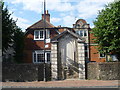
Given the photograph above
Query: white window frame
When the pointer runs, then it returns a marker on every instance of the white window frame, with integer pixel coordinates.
(41, 52)
(47, 34)
(37, 52)
(35, 36)
(43, 35)
(39, 35)
(46, 61)
(83, 33)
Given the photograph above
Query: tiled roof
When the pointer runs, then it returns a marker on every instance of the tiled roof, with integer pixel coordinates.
(40, 24)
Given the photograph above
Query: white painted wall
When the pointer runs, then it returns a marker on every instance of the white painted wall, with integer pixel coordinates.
(67, 49)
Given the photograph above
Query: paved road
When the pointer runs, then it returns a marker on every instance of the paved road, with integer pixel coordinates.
(64, 84)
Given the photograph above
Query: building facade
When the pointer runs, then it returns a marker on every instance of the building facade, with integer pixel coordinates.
(67, 50)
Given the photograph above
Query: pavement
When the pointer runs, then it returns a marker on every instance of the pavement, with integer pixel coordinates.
(64, 84)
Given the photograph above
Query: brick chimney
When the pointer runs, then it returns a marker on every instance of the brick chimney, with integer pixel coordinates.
(47, 16)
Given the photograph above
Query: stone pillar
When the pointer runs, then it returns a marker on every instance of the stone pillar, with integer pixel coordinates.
(81, 60)
(54, 67)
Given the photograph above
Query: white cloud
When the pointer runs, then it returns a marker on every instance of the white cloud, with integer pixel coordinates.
(54, 20)
(100, 1)
(20, 19)
(88, 8)
(59, 6)
(37, 5)
(65, 9)
(21, 22)
(21, 12)
(92, 26)
(33, 5)
(84, 7)
(89, 11)
(23, 25)
(68, 21)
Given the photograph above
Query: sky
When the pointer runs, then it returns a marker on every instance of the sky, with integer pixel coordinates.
(62, 12)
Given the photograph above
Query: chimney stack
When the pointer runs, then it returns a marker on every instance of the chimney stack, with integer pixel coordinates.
(47, 16)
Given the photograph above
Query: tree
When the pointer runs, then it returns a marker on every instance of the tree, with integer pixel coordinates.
(8, 27)
(18, 45)
(107, 31)
(12, 35)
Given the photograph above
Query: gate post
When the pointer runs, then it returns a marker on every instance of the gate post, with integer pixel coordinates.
(81, 60)
(54, 67)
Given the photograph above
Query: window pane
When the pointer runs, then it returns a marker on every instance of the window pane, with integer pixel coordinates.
(34, 57)
(81, 33)
(36, 34)
(77, 32)
(41, 34)
(48, 57)
(85, 33)
(40, 57)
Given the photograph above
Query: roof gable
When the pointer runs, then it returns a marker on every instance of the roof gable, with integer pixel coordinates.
(40, 24)
(55, 39)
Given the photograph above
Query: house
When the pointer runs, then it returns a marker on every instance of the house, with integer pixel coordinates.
(34, 39)
(66, 49)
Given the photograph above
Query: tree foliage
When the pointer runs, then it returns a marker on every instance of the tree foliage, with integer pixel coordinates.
(8, 27)
(18, 45)
(106, 30)
(12, 35)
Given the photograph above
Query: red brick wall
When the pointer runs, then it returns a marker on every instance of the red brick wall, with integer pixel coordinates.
(91, 38)
(31, 44)
(94, 54)
(47, 17)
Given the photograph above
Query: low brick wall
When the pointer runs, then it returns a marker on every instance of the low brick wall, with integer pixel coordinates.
(25, 72)
(103, 71)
